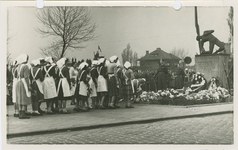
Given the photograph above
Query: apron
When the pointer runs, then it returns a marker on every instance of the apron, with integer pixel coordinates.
(83, 88)
(14, 83)
(23, 80)
(49, 87)
(73, 85)
(65, 86)
(102, 83)
(92, 86)
(38, 82)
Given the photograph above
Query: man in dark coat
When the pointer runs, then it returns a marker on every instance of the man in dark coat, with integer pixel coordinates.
(161, 76)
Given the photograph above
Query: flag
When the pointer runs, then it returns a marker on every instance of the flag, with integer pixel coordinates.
(99, 48)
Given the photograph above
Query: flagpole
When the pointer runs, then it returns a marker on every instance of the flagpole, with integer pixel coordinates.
(197, 28)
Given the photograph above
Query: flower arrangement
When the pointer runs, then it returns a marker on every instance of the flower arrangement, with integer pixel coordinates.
(171, 96)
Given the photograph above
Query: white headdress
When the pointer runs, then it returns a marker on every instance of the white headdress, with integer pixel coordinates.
(101, 60)
(49, 59)
(127, 64)
(60, 63)
(82, 65)
(113, 58)
(95, 62)
(22, 59)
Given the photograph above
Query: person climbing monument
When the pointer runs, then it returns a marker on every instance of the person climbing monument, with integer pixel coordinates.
(209, 37)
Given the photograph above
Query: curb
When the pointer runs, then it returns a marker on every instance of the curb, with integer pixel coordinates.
(212, 104)
(111, 124)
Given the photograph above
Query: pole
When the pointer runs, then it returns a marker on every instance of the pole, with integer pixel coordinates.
(227, 77)
(197, 28)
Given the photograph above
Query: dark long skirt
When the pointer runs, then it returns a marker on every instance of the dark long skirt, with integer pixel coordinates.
(61, 94)
(112, 86)
(162, 83)
(127, 91)
(179, 82)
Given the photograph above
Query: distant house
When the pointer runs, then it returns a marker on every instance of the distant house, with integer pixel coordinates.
(151, 61)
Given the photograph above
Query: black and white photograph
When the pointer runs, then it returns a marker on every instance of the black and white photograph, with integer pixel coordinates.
(119, 75)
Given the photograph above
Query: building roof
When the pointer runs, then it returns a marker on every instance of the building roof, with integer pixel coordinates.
(159, 54)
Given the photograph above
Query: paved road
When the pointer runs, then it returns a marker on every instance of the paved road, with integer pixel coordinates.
(216, 129)
(108, 116)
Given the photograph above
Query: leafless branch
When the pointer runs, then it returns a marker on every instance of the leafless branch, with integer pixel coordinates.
(72, 25)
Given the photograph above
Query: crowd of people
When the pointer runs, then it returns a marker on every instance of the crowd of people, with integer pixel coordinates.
(164, 77)
(43, 80)
(104, 82)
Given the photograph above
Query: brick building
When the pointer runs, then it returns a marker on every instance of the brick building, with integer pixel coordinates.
(151, 61)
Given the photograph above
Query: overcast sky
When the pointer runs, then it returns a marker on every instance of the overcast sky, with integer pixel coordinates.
(145, 28)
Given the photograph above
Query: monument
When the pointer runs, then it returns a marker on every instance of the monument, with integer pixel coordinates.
(213, 66)
(209, 63)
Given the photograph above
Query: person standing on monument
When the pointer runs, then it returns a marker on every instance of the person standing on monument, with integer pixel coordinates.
(161, 76)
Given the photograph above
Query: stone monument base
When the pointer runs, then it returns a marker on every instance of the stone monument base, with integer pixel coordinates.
(213, 66)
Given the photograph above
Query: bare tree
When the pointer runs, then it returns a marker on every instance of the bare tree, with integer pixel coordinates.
(9, 39)
(135, 58)
(71, 27)
(181, 53)
(128, 55)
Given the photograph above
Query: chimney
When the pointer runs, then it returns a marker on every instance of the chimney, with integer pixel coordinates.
(147, 52)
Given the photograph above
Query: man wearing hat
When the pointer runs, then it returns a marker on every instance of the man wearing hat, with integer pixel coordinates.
(209, 37)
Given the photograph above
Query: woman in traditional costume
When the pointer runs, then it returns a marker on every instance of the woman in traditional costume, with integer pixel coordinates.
(23, 88)
(162, 76)
(36, 78)
(73, 73)
(127, 89)
(179, 80)
(113, 82)
(49, 87)
(102, 88)
(93, 83)
(119, 86)
(84, 88)
(14, 74)
(63, 89)
(42, 64)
